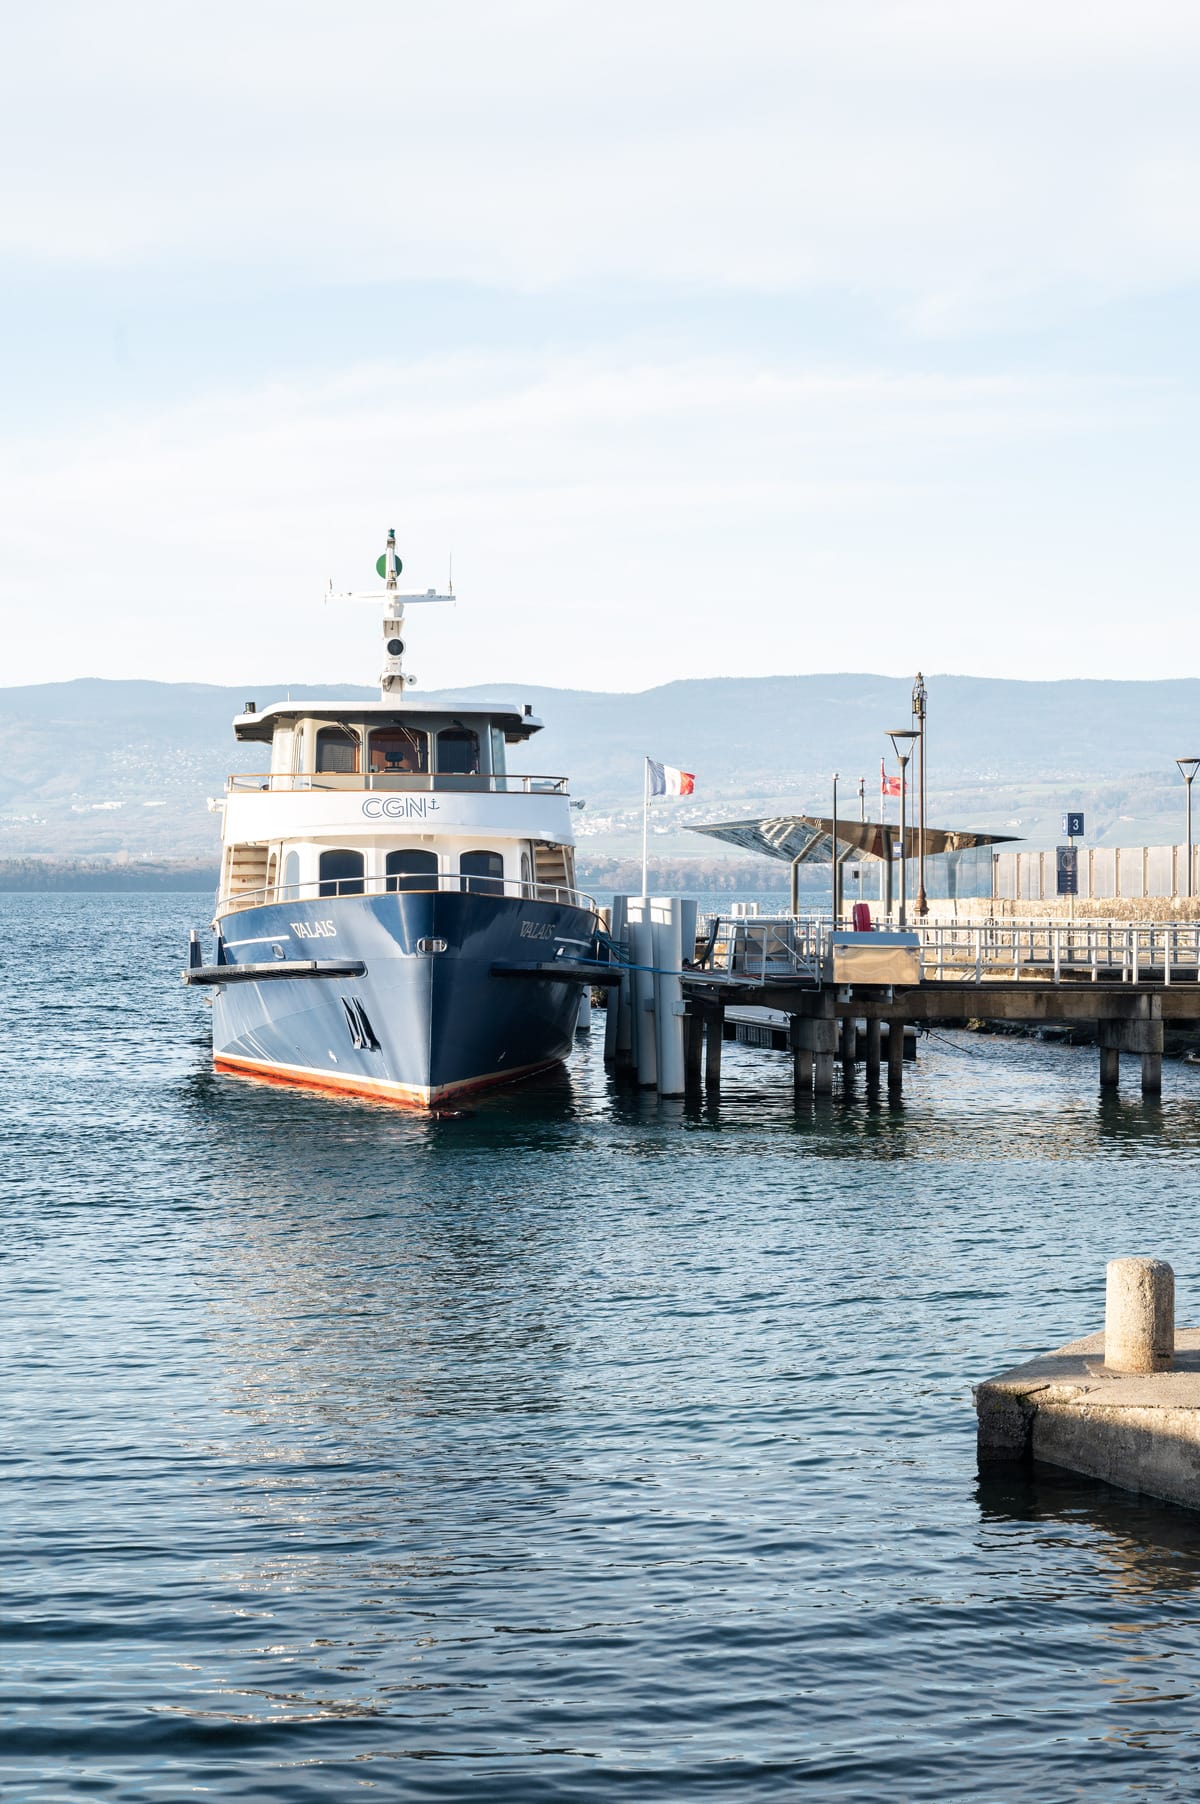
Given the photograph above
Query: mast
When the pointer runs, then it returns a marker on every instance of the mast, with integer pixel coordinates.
(393, 678)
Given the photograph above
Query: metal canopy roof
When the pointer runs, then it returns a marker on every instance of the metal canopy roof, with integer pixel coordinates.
(808, 838)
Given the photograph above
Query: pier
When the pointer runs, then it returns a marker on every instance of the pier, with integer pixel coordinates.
(1122, 1405)
(837, 998)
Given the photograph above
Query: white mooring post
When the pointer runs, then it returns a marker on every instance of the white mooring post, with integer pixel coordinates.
(641, 948)
(618, 996)
(666, 915)
(1139, 1315)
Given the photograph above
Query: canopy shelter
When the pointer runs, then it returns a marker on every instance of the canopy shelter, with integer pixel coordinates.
(808, 839)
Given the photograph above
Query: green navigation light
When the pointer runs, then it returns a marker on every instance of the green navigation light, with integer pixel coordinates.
(381, 565)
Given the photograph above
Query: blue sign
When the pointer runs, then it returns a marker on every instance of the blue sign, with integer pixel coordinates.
(1072, 826)
(1066, 860)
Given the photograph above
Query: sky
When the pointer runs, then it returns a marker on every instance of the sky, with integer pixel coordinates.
(701, 340)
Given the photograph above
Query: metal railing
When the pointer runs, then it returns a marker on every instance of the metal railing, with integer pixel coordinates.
(415, 782)
(762, 948)
(1160, 952)
(328, 889)
(758, 948)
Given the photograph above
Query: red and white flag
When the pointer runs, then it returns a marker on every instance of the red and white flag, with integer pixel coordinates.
(665, 780)
(888, 786)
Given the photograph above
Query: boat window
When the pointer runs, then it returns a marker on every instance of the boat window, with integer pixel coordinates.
(411, 869)
(498, 752)
(526, 870)
(341, 874)
(483, 873)
(399, 749)
(337, 750)
(291, 877)
(458, 751)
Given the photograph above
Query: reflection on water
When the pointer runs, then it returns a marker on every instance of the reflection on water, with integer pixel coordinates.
(570, 1444)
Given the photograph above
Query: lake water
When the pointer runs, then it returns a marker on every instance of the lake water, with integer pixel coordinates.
(573, 1447)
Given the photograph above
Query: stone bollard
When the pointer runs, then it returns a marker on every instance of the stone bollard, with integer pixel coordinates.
(1139, 1315)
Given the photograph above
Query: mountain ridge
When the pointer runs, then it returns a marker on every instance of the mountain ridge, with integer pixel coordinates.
(101, 765)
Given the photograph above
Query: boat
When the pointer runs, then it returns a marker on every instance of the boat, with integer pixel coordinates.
(397, 916)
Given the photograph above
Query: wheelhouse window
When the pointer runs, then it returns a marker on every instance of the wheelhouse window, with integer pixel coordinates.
(399, 749)
(411, 869)
(458, 752)
(498, 752)
(337, 750)
(341, 873)
(482, 873)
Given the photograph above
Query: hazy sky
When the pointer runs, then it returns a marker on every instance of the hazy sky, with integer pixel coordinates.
(708, 339)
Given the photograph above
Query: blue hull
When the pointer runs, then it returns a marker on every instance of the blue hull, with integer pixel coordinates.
(427, 1019)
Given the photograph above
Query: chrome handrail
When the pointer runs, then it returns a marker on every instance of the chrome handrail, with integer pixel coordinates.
(393, 781)
(329, 889)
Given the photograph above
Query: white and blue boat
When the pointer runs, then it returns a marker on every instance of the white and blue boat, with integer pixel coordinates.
(397, 915)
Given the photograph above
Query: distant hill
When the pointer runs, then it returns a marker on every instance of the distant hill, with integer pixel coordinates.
(95, 768)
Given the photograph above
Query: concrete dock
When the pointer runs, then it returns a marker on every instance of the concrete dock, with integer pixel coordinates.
(1088, 1408)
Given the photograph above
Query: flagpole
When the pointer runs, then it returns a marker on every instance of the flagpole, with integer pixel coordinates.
(645, 815)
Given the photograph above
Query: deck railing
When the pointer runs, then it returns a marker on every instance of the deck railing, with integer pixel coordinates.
(762, 948)
(414, 782)
(328, 889)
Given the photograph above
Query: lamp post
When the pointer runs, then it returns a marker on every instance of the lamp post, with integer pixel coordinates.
(902, 742)
(833, 851)
(1187, 770)
(918, 711)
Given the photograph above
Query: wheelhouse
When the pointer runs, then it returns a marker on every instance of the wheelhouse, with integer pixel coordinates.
(363, 798)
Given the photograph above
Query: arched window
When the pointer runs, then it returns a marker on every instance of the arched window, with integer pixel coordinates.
(337, 750)
(526, 872)
(482, 872)
(291, 877)
(458, 752)
(341, 874)
(411, 869)
(399, 749)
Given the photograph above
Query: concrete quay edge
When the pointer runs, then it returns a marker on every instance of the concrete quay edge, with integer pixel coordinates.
(1140, 1432)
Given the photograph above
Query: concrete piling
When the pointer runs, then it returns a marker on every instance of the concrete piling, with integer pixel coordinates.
(895, 1055)
(874, 1039)
(714, 1034)
(1139, 1315)
(693, 1045)
(802, 1053)
(1140, 1033)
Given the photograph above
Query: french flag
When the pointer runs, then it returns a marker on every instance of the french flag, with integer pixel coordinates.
(665, 780)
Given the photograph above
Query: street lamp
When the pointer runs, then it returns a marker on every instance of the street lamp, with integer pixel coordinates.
(918, 711)
(902, 742)
(1187, 770)
(833, 849)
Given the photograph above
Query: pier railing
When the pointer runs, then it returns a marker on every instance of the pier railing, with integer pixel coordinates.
(765, 948)
(1160, 952)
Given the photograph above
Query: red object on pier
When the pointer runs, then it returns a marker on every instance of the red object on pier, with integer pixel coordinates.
(860, 915)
